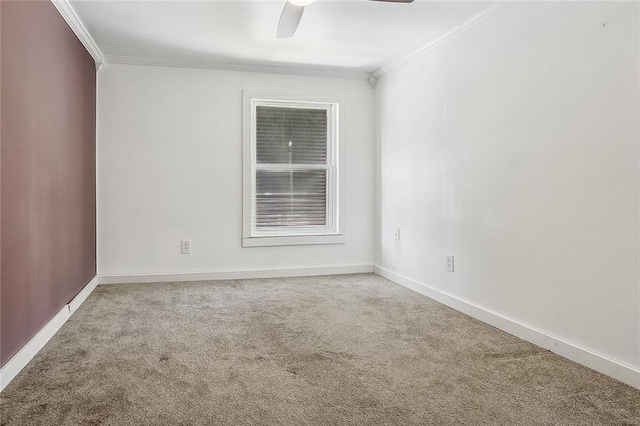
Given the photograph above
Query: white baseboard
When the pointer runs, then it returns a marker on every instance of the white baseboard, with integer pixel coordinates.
(11, 369)
(234, 275)
(82, 296)
(600, 363)
(597, 362)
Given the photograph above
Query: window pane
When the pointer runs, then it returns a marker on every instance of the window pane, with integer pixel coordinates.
(291, 135)
(295, 198)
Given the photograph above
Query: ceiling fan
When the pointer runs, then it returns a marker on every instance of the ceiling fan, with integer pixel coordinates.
(292, 13)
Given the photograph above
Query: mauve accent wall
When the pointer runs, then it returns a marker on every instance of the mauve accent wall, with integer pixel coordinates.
(47, 160)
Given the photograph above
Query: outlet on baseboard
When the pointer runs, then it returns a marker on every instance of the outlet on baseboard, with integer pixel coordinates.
(449, 262)
(185, 246)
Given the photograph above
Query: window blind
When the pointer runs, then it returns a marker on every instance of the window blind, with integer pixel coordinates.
(291, 167)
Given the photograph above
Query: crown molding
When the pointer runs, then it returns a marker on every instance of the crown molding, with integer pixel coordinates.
(485, 14)
(308, 71)
(71, 17)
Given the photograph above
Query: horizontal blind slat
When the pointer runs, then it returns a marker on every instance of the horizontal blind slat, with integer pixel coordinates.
(291, 135)
(294, 198)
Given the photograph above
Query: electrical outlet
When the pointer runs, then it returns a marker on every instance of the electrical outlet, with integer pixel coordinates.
(185, 246)
(397, 233)
(449, 260)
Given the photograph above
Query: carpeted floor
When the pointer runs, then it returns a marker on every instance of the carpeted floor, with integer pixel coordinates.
(339, 350)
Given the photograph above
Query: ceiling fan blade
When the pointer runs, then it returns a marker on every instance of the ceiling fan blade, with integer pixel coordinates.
(289, 20)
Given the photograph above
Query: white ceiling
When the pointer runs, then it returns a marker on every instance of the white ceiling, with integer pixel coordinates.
(346, 36)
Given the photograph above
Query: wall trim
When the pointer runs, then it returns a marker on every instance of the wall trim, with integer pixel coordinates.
(485, 14)
(11, 369)
(326, 72)
(73, 20)
(83, 295)
(234, 275)
(597, 362)
(583, 356)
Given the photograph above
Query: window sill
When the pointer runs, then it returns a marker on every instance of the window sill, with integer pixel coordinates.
(297, 240)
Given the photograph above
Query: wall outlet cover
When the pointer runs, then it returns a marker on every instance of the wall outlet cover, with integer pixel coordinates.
(449, 262)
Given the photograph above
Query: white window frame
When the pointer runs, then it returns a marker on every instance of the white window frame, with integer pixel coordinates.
(332, 233)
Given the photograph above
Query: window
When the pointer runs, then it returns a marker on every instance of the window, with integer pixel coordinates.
(290, 172)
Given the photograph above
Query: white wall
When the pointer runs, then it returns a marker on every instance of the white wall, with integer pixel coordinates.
(514, 146)
(170, 168)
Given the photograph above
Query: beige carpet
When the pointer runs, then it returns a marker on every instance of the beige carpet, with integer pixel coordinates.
(340, 350)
